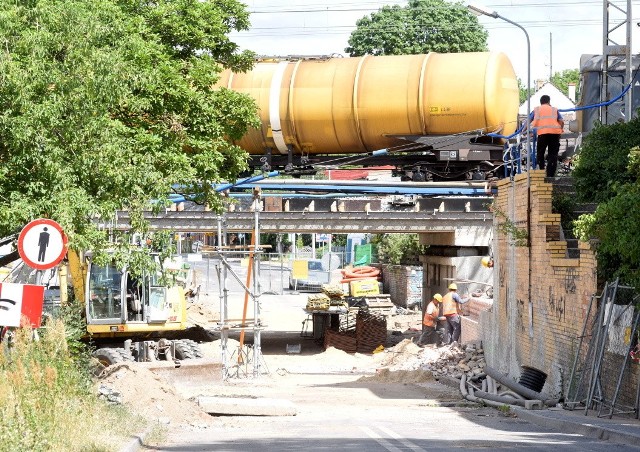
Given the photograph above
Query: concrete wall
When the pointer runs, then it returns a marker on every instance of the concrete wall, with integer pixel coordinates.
(540, 296)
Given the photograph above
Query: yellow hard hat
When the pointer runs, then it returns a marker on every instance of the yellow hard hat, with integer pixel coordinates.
(453, 286)
(437, 297)
(487, 262)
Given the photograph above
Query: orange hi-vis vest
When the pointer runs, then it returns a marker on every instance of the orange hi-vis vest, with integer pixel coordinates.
(449, 305)
(545, 119)
(431, 314)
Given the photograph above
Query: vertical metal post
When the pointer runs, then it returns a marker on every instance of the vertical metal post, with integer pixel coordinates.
(598, 327)
(602, 342)
(575, 361)
(257, 349)
(224, 332)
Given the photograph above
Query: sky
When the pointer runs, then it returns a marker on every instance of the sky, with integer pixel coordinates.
(559, 30)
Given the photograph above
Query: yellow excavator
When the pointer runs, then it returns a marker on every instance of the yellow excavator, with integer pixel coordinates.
(128, 316)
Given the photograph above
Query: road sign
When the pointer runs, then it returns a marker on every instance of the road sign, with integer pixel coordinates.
(21, 304)
(42, 244)
(323, 237)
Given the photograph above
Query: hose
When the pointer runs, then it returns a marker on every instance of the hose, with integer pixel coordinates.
(491, 385)
(501, 399)
(511, 394)
(473, 398)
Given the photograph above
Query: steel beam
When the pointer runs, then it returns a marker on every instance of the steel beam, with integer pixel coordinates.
(306, 222)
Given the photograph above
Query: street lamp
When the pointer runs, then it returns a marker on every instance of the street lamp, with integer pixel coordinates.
(480, 11)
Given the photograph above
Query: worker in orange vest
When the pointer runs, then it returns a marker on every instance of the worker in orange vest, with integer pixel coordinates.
(430, 333)
(451, 310)
(549, 124)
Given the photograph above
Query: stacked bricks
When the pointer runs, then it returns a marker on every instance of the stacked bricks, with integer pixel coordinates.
(403, 283)
(371, 331)
(369, 334)
(342, 340)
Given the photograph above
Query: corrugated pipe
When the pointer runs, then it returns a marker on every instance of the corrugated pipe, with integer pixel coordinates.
(514, 386)
(473, 398)
(498, 398)
(517, 387)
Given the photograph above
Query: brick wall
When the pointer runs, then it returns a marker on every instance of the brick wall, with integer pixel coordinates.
(540, 295)
(471, 327)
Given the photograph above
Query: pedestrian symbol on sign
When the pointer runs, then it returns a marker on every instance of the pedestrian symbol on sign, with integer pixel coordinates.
(43, 243)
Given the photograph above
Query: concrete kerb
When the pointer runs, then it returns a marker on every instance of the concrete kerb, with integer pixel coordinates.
(136, 441)
(616, 431)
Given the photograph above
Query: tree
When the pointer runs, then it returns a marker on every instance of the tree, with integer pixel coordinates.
(561, 80)
(608, 173)
(398, 249)
(106, 104)
(420, 27)
(524, 93)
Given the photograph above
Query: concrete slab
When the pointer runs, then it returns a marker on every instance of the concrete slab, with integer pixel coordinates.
(239, 406)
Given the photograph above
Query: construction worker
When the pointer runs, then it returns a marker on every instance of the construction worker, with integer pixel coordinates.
(430, 333)
(549, 123)
(452, 311)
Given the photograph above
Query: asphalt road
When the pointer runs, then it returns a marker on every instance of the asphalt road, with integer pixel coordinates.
(335, 427)
(337, 411)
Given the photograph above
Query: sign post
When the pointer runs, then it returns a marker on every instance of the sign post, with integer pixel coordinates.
(42, 244)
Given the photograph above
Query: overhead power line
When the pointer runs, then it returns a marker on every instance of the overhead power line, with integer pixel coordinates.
(355, 7)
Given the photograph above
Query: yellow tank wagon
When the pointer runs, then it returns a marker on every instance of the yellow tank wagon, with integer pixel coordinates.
(326, 106)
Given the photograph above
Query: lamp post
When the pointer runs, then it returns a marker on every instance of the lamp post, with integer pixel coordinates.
(480, 11)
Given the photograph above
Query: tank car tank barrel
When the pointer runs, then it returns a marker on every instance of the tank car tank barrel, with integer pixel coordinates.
(358, 105)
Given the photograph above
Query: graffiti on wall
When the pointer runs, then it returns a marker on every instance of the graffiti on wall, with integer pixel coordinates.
(521, 313)
(570, 277)
(557, 305)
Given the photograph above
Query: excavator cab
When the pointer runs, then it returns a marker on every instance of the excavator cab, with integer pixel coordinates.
(118, 302)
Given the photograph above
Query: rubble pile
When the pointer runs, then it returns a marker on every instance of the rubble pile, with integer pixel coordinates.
(457, 361)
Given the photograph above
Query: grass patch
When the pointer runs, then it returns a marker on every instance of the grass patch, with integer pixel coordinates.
(47, 400)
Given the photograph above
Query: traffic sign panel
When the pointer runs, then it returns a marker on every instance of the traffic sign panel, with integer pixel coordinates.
(42, 244)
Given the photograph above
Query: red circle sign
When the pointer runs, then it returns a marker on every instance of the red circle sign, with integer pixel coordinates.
(42, 244)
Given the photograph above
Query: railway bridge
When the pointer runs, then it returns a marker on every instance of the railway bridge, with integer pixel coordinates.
(453, 219)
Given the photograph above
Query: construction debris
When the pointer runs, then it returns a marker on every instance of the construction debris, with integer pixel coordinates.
(456, 361)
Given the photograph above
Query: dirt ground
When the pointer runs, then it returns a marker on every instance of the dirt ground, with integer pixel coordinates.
(169, 396)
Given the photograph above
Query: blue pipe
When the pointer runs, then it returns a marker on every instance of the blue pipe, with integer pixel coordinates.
(372, 190)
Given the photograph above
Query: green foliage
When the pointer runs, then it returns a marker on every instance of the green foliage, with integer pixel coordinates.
(565, 205)
(420, 27)
(46, 398)
(602, 165)
(608, 172)
(562, 79)
(273, 240)
(517, 235)
(107, 103)
(396, 249)
(524, 94)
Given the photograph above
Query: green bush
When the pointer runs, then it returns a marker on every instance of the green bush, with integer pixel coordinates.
(608, 173)
(396, 249)
(46, 399)
(602, 163)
